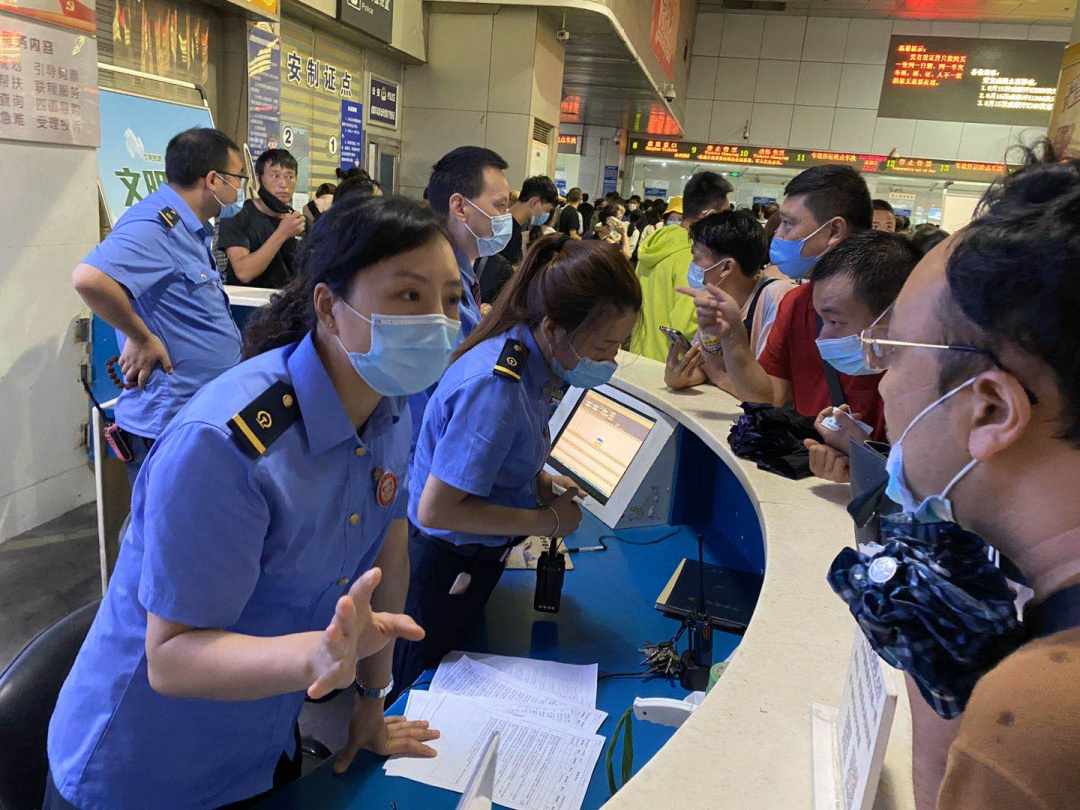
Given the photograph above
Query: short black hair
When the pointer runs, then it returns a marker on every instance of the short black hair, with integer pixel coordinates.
(878, 262)
(834, 191)
(194, 153)
(539, 186)
(574, 195)
(882, 205)
(1013, 279)
(584, 196)
(702, 191)
(635, 198)
(460, 171)
(737, 234)
(275, 157)
(927, 237)
(325, 188)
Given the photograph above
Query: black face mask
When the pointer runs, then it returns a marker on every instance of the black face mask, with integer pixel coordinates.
(272, 202)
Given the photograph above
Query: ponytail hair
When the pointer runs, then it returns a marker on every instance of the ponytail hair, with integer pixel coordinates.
(353, 234)
(566, 280)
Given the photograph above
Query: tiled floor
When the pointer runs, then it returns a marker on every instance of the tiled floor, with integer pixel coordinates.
(45, 574)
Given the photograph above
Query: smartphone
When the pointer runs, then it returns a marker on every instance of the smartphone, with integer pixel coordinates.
(675, 336)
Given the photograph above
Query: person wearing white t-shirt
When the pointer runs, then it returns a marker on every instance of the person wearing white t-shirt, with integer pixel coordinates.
(728, 251)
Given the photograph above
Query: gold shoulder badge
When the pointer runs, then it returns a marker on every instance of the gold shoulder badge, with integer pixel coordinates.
(169, 217)
(511, 362)
(269, 415)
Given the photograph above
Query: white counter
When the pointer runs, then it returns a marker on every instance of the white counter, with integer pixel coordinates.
(749, 745)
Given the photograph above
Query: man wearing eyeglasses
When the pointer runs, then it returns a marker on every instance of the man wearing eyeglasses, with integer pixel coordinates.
(982, 401)
(261, 240)
(153, 279)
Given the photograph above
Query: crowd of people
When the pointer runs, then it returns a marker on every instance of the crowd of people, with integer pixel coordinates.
(364, 456)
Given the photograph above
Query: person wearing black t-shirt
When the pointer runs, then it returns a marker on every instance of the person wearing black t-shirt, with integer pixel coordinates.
(586, 209)
(260, 241)
(533, 207)
(570, 223)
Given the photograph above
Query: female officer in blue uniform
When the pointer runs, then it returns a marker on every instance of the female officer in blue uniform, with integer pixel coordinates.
(258, 527)
(476, 483)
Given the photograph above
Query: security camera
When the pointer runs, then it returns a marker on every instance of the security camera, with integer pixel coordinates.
(563, 35)
(669, 91)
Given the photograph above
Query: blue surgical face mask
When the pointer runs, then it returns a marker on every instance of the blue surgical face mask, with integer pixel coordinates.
(786, 254)
(539, 219)
(588, 373)
(933, 508)
(408, 352)
(845, 355)
(696, 274)
(502, 228)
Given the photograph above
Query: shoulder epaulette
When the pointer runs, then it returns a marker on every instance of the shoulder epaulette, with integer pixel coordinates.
(269, 415)
(169, 217)
(511, 362)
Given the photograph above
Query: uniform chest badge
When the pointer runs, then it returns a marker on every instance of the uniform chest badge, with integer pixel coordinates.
(385, 487)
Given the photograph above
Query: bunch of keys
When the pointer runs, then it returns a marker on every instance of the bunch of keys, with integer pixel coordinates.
(661, 658)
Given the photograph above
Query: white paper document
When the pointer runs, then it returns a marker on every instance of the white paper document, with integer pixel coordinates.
(508, 695)
(574, 683)
(538, 767)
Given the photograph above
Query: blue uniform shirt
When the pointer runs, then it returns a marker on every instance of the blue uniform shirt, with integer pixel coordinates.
(485, 434)
(218, 539)
(469, 315)
(177, 291)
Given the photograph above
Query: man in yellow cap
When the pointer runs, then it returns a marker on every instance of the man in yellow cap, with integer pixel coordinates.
(663, 260)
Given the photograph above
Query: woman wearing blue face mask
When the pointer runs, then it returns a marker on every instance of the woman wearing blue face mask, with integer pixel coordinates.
(477, 484)
(260, 523)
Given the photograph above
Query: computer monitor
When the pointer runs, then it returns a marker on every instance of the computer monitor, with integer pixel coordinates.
(611, 443)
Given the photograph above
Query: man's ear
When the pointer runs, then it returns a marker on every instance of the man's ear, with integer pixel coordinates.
(838, 230)
(456, 206)
(1000, 413)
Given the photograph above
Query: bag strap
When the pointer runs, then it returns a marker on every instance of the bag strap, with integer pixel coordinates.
(748, 322)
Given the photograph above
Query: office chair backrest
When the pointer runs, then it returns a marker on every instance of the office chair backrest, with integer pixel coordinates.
(29, 687)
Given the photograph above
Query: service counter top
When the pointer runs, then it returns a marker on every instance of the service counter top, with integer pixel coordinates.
(749, 744)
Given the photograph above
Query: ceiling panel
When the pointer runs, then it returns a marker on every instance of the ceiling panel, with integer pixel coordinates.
(1035, 11)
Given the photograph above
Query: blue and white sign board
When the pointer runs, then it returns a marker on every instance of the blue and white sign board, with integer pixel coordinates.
(611, 179)
(134, 133)
(351, 146)
(383, 97)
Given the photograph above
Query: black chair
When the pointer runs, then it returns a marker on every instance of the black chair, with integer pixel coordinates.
(29, 687)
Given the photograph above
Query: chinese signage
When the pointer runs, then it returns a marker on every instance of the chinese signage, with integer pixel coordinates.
(664, 33)
(569, 144)
(987, 81)
(374, 17)
(264, 87)
(309, 72)
(48, 84)
(611, 179)
(75, 14)
(352, 134)
(777, 157)
(134, 133)
(382, 102)
(1065, 124)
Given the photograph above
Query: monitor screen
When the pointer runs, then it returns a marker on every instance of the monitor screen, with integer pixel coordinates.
(598, 443)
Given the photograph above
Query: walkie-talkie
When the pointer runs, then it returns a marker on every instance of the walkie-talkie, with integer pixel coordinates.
(550, 571)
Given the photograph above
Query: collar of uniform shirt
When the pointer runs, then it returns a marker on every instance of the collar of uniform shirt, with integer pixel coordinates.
(537, 372)
(187, 216)
(465, 266)
(324, 418)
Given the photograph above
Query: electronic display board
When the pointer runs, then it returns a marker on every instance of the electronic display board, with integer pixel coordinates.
(982, 81)
(782, 158)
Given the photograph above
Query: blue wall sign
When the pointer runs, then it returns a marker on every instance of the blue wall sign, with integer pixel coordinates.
(264, 87)
(383, 102)
(611, 179)
(352, 134)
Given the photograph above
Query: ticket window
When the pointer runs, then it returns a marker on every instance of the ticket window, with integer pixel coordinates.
(382, 164)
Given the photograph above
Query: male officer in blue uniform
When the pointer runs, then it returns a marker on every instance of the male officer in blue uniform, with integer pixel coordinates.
(468, 187)
(153, 279)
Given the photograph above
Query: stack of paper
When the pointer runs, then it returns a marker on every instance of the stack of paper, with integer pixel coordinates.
(545, 717)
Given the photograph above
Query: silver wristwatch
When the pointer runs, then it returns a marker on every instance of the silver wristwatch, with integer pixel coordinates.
(372, 694)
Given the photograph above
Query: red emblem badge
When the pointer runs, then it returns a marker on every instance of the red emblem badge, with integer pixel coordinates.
(386, 489)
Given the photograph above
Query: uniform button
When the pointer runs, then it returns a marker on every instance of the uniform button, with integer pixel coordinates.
(354, 519)
(343, 581)
(203, 276)
(360, 451)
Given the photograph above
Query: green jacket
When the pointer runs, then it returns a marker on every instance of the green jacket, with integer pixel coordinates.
(663, 261)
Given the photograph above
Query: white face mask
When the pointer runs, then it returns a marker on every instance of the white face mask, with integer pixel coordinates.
(933, 508)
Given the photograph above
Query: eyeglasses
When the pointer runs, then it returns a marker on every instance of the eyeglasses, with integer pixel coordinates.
(878, 349)
(240, 177)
